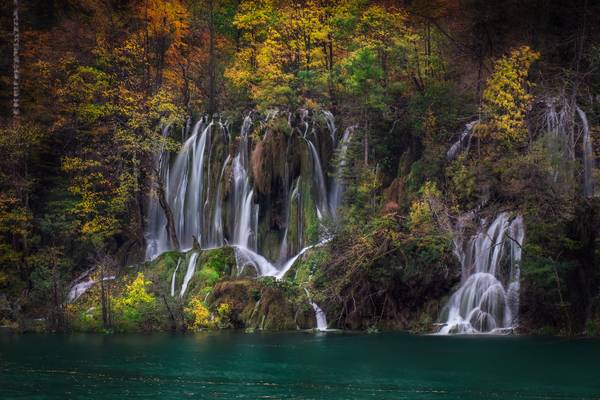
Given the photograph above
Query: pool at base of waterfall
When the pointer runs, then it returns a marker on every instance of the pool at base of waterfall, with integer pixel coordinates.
(323, 366)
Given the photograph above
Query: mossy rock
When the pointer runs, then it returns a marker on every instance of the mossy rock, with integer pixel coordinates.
(211, 266)
(240, 294)
(248, 272)
(275, 312)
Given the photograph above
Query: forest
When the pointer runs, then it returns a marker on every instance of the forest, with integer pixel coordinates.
(185, 165)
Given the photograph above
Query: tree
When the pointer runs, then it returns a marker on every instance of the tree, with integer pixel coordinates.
(363, 77)
(506, 98)
(16, 62)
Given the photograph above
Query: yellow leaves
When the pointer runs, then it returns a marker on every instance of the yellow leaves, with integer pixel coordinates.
(224, 309)
(283, 50)
(136, 306)
(15, 219)
(198, 315)
(101, 201)
(136, 292)
(506, 98)
(382, 27)
(423, 209)
(253, 16)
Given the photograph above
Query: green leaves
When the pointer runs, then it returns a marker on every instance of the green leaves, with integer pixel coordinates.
(363, 76)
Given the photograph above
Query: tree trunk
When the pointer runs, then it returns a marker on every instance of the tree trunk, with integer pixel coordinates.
(16, 63)
(366, 138)
(104, 300)
(212, 90)
(169, 215)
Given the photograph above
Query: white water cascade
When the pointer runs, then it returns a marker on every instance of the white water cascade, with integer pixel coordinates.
(174, 276)
(191, 268)
(463, 143)
(320, 316)
(209, 192)
(78, 289)
(565, 122)
(322, 207)
(588, 155)
(337, 188)
(488, 298)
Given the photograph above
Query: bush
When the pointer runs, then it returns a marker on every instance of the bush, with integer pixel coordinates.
(136, 309)
(197, 315)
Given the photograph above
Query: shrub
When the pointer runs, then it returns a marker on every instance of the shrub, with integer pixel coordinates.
(136, 309)
(197, 315)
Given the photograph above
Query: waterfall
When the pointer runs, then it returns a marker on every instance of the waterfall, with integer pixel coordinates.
(183, 183)
(214, 202)
(323, 208)
(156, 242)
(174, 276)
(337, 188)
(560, 125)
(289, 263)
(319, 314)
(216, 235)
(244, 257)
(243, 195)
(463, 142)
(80, 288)
(293, 196)
(487, 300)
(588, 155)
(330, 120)
(191, 268)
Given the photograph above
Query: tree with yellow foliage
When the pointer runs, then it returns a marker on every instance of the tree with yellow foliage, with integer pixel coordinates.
(507, 97)
(136, 308)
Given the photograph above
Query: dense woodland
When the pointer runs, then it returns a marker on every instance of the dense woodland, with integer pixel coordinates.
(86, 87)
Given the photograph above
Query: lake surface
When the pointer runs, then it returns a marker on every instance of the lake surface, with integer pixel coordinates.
(297, 366)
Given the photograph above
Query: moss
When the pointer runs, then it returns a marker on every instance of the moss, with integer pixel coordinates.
(304, 269)
(240, 294)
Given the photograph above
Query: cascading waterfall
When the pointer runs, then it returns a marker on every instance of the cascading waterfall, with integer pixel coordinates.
(337, 188)
(463, 142)
(559, 123)
(191, 268)
(80, 288)
(320, 316)
(330, 120)
(183, 188)
(588, 155)
(293, 196)
(488, 298)
(323, 207)
(224, 211)
(216, 234)
(157, 218)
(243, 197)
(174, 277)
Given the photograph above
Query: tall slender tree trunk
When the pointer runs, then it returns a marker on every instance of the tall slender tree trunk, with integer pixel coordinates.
(212, 90)
(16, 63)
(366, 137)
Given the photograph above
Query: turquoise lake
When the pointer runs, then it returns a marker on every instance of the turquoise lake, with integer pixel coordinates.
(297, 366)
